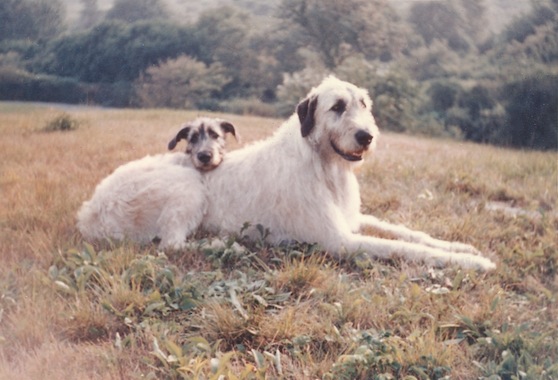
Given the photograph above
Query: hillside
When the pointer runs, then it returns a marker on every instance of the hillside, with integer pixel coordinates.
(71, 310)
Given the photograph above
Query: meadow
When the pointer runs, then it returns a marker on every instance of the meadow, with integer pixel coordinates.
(71, 309)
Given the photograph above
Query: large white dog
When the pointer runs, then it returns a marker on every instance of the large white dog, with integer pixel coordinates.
(158, 197)
(300, 184)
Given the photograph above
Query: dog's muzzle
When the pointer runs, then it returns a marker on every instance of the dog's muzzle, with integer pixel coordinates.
(363, 138)
(205, 157)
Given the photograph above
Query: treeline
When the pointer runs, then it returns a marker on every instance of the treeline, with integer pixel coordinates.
(435, 70)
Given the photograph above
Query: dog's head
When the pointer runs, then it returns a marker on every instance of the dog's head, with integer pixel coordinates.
(206, 141)
(336, 118)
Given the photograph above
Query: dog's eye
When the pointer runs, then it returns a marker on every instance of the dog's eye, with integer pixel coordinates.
(339, 107)
(194, 139)
(362, 103)
(214, 135)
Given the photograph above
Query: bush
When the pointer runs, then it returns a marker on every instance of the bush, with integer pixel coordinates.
(294, 88)
(17, 84)
(181, 83)
(249, 106)
(61, 123)
(118, 94)
(113, 51)
(443, 95)
(531, 107)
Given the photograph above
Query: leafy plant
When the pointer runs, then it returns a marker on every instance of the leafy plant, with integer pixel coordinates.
(61, 123)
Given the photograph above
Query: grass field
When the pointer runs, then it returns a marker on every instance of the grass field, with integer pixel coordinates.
(71, 310)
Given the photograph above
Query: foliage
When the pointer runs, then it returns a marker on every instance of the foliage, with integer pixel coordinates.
(295, 87)
(18, 84)
(223, 36)
(442, 21)
(248, 106)
(61, 123)
(113, 51)
(181, 83)
(90, 14)
(531, 109)
(31, 19)
(523, 27)
(137, 10)
(337, 29)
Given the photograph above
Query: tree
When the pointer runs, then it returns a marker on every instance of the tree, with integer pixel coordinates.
(475, 21)
(136, 10)
(48, 17)
(180, 83)
(531, 108)
(223, 35)
(439, 20)
(28, 19)
(114, 51)
(525, 26)
(90, 14)
(337, 29)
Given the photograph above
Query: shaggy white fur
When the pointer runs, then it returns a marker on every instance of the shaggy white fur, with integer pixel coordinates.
(300, 184)
(161, 196)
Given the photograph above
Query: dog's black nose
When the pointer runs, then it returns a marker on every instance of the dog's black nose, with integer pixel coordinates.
(363, 138)
(205, 157)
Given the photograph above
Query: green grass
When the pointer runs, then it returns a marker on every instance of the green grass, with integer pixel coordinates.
(70, 309)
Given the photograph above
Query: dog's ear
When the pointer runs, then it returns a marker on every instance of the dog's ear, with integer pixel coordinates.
(181, 135)
(306, 110)
(228, 128)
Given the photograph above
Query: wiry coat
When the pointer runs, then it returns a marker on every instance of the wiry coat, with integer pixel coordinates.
(300, 184)
(161, 196)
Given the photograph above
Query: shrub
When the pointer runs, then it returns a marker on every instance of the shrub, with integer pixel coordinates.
(17, 84)
(249, 106)
(61, 123)
(443, 95)
(180, 83)
(531, 108)
(295, 86)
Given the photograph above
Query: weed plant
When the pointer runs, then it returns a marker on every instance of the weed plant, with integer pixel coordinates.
(61, 123)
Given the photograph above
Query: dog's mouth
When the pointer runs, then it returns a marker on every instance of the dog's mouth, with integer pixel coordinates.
(206, 167)
(347, 156)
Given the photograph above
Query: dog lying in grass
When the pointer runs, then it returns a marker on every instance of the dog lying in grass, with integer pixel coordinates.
(159, 197)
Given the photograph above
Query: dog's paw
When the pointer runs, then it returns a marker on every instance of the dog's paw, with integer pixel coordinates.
(479, 263)
(463, 248)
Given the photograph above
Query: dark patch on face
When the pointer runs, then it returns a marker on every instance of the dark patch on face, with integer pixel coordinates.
(194, 138)
(212, 134)
(339, 107)
(202, 132)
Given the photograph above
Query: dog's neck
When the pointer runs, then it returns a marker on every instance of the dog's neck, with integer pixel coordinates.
(336, 172)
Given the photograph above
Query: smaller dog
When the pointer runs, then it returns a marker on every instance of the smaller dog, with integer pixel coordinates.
(161, 196)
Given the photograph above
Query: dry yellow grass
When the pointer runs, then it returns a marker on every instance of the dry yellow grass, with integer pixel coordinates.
(502, 201)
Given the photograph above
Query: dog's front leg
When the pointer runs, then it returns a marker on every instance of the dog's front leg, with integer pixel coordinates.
(385, 248)
(404, 233)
